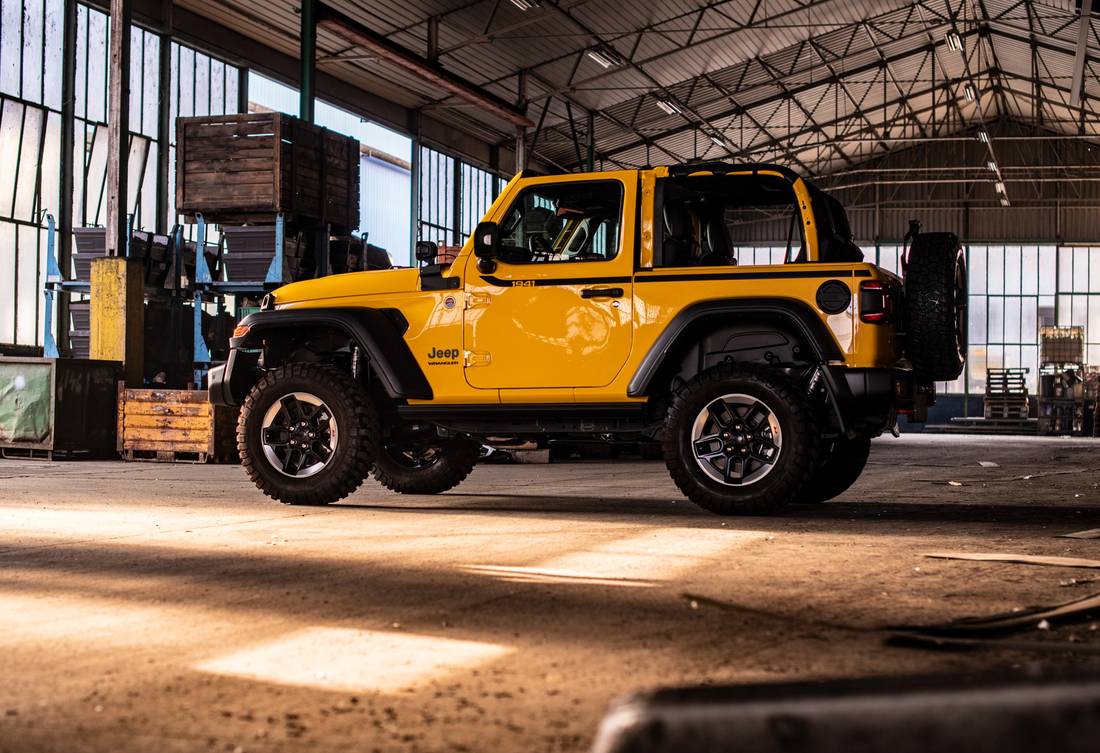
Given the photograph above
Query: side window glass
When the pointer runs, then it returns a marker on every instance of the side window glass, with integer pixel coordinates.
(705, 220)
(563, 222)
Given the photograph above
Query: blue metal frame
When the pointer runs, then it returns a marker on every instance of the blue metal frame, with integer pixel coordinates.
(201, 353)
(206, 289)
(53, 276)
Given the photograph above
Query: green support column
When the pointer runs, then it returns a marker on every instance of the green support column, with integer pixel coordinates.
(307, 60)
(68, 136)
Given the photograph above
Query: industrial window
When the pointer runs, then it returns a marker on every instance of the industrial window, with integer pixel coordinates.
(563, 222)
(31, 69)
(438, 220)
(1010, 296)
(453, 197)
(477, 191)
(1078, 301)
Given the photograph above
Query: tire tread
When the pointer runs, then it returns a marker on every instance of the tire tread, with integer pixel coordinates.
(800, 440)
(362, 437)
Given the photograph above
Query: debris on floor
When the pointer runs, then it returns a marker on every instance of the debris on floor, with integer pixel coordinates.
(988, 464)
(1031, 617)
(1021, 559)
(954, 483)
(1076, 582)
(1092, 533)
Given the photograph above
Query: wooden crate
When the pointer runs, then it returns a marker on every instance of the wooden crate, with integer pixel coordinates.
(1061, 345)
(245, 169)
(174, 426)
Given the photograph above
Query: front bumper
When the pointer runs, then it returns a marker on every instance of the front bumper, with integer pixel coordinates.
(228, 385)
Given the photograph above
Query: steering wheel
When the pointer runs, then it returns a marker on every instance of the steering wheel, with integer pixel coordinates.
(544, 250)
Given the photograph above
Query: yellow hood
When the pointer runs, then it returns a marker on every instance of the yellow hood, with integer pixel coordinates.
(354, 284)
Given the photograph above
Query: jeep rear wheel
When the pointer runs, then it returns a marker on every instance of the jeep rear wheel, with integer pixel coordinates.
(740, 440)
(426, 466)
(936, 307)
(307, 434)
(842, 465)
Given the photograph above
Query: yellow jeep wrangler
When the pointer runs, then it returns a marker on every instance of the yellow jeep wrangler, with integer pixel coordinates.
(613, 307)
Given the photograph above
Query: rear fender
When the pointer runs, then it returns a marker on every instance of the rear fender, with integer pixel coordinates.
(747, 331)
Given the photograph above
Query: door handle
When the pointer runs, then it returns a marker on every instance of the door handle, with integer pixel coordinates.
(602, 293)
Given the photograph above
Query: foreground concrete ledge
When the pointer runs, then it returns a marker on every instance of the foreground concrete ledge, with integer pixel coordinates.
(1004, 713)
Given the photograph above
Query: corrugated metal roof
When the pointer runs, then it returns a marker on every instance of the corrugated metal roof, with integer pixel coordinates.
(779, 79)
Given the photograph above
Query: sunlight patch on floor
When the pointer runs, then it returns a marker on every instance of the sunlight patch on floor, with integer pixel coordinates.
(344, 659)
(27, 618)
(91, 524)
(647, 559)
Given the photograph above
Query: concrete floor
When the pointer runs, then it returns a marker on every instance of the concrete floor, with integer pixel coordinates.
(172, 607)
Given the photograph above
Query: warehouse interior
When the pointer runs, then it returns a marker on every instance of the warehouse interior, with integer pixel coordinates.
(152, 596)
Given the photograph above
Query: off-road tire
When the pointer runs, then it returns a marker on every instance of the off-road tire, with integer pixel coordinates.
(356, 419)
(842, 463)
(793, 467)
(936, 307)
(459, 456)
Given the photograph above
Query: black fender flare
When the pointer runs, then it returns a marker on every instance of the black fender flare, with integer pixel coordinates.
(795, 315)
(377, 332)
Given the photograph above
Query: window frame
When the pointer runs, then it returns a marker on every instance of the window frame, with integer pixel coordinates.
(799, 241)
(523, 192)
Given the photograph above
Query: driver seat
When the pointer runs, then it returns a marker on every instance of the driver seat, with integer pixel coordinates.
(678, 242)
(717, 246)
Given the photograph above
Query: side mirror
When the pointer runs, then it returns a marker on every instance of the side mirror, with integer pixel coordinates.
(487, 240)
(426, 251)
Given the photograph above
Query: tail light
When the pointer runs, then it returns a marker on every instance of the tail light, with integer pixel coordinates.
(876, 302)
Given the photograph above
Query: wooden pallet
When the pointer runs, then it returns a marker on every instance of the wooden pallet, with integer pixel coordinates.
(165, 456)
(174, 426)
(1006, 410)
(1006, 382)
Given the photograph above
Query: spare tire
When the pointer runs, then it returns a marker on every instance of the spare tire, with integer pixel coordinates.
(936, 307)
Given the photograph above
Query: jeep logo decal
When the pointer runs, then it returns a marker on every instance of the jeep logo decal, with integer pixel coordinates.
(443, 356)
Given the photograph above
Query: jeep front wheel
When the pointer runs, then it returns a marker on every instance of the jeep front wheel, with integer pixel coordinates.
(740, 440)
(307, 434)
(426, 466)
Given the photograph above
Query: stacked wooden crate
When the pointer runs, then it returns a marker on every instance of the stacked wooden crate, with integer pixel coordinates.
(246, 169)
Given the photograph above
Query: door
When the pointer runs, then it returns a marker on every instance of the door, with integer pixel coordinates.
(556, 310)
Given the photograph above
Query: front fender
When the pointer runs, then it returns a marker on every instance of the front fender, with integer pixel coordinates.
(377, 332)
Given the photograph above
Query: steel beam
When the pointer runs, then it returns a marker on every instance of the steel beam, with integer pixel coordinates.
(353, 32)
(118, 127)
(307, 60)
(1082, 51)
(68, 131)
